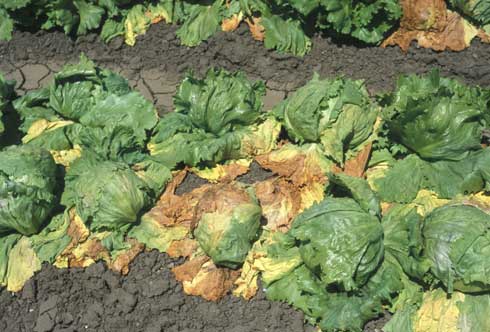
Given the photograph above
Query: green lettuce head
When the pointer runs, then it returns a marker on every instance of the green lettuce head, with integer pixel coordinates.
(228, 219)
(107, 195)
(337, 113)
(457, 243)
(217, 118)
(27, 189)
(340, 242)
(438, 118)
(90, 108)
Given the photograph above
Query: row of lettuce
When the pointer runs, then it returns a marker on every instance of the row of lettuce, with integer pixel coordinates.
(283, 25)
(377, 203)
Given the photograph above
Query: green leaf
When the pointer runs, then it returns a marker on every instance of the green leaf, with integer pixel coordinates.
(285, 35)
(201, 24)
(6, 25)
(111, 29)
(90, 16)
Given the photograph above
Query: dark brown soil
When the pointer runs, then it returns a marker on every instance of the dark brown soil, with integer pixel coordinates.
(149, 299)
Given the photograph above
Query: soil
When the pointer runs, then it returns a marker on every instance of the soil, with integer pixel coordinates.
(149, 298)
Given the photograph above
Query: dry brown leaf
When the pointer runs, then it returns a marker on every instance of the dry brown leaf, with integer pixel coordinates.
(432, 25)
(200, 277)
(188, 270)
(232, 23)
(357, 165)
(182, 248)
(171, 209)
(122, 261)
(219, 197)
(257, 29)
(280, 201)
(297, 169)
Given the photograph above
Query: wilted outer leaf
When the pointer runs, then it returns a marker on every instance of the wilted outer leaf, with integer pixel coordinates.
(23, 263)
(301, 182)
(182, 248)
(232, 23)
(272, 263)
(140, 18)
(223, 172)
(280, 201)
(433, 26)
(301, 165)
(86, 248)
(66, 157)
(171, 219)
(256, 28)
(357, 165)
(200, 277)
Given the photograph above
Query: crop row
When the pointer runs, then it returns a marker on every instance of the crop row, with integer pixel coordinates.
(375, 203)
(283, 25)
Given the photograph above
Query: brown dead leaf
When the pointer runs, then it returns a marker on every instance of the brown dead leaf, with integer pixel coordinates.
(257, 29)
(182, 248)
(122, 261)
(220, 197)
(232, 23)
(357, 165)
(280, 201)
(171, 209)
(188, 270)
(200, 277)
(298, 169)
(432, 25)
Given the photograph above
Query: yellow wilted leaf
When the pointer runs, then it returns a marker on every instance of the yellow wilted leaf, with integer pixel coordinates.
(66, 157)
(426, 201)
(438, 313)
(223, 173)
(23, 263)
(41, 126)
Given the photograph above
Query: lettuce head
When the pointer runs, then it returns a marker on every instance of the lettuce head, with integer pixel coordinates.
(228, 219)
(107, 195)
(217, 118)
(340, 242)
(457, 244)
(437, 118)
(336, 113)
(91, 108)
(28, 183)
